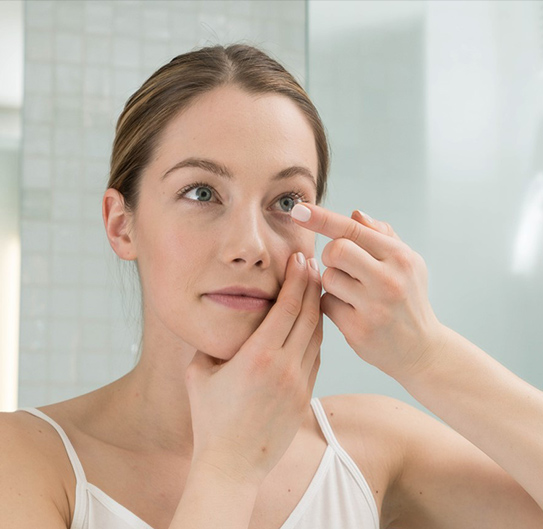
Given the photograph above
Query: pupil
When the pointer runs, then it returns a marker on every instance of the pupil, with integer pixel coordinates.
(199, 193)
(289, 199)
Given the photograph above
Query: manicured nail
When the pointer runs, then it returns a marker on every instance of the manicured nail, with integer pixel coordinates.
(314, 264)
(300, 213)
(300, 258)
(367, 217)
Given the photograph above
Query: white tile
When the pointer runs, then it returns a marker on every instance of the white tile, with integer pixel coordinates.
(65, 336)
(155, 23)
(93, 368)
(68, 47)
(38, 77)
(93, 272)
(68, 110)
(36, 172)
(36, 204)
(35, 301)
(97, 111)
(94, 236)
(97, 49)
(66, 205)
(68, 79)
(32, 394)
(127, 21)
(39, 45)
(34, 334)
(67, 173)
(97, 81)
(35, 236)
(34, 269)
(96, 177)
(239, 8)
(64, 302)
(38, 108)
(33, 367)
(126, 82)
(37, 139)
(97, 143)
(92, 205)
(94, 303)
(66, 238)
(155, 54)
(95, 336)
(62, 369)
(39, 13)
(67, 141)
(60, 392)
(65, 270)
(70, 15)
(126, 52)
(99, 17)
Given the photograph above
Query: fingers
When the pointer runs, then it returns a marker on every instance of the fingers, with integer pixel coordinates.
(276, 327)
(382, 227)
(305, 333)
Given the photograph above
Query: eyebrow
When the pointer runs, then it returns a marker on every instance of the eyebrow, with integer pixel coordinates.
(223, 171)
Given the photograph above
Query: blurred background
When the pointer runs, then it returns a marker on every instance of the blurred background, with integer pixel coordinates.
(434, 112)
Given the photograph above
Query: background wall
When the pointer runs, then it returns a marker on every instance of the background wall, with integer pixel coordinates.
(79, 303)
(435, 116)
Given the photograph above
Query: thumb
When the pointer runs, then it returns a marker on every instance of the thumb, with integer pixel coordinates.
(201, 365)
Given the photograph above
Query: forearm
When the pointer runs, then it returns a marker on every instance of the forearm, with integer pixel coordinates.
(213, 499)
(488, 405)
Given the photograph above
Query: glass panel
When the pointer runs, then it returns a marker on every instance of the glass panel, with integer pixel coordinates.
(434, 111)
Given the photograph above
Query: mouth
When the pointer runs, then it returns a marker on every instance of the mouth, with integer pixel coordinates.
(240, 301)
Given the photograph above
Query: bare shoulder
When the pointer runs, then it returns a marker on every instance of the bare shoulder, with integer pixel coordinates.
(33, 473)
(369, 427)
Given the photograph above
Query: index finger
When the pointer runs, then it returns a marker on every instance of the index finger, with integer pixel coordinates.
(336, 226)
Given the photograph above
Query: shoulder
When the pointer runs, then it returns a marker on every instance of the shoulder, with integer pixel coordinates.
(371, 430)
(34, 467)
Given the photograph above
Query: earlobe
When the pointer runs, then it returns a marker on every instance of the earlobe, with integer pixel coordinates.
(117, 224)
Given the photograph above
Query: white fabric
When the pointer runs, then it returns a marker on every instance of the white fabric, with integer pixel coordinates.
(338, 496)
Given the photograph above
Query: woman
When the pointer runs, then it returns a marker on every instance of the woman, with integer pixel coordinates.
(215, 426)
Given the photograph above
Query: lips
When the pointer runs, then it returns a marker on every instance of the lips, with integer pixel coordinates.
(240, 291)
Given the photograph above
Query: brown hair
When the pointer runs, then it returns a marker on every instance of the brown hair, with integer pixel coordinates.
(174, 86)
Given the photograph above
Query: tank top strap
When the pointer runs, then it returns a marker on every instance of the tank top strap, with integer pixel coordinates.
(74, 460)
(326, 428)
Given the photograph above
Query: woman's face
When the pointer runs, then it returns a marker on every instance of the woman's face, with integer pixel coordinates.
(225, 231)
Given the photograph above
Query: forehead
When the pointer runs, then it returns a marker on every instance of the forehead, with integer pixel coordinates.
(236, 126)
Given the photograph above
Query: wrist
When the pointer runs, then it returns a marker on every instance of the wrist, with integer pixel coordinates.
(431, 355)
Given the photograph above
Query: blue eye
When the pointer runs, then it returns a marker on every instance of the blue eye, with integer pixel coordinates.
(204, 193)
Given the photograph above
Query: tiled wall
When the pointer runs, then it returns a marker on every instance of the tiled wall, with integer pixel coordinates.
(80, 314)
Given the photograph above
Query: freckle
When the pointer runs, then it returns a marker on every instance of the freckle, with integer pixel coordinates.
(39, 431)
(264, 449)
(289, 490)
(376, 492)
(332, 413)
(420, 492)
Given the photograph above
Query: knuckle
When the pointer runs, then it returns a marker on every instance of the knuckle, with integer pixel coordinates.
(289, 377)
(353, 231)
(312, 318)
(337, 250)
(328, 279)
(292, 306)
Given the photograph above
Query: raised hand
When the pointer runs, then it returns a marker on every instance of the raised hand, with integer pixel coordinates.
(246, 412)
(376, 290)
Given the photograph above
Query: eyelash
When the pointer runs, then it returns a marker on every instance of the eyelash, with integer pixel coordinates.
(296, 194)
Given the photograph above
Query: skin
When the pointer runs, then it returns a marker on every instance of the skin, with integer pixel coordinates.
(185, 249)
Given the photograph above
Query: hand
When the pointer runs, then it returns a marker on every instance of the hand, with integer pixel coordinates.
(376, 292)
(246, 412)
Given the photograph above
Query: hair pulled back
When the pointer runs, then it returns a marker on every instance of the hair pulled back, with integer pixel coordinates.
(177, 84)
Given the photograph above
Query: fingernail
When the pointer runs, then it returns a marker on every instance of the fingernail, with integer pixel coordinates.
(367, 217)
(314, 264)
(300, 258)
(300, 213)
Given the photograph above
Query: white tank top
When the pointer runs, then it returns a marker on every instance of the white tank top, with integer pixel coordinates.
(338, 496)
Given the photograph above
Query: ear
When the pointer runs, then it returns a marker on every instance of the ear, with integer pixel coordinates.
(117, 223)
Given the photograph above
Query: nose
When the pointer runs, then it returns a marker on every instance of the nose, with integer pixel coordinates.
(244, 238)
